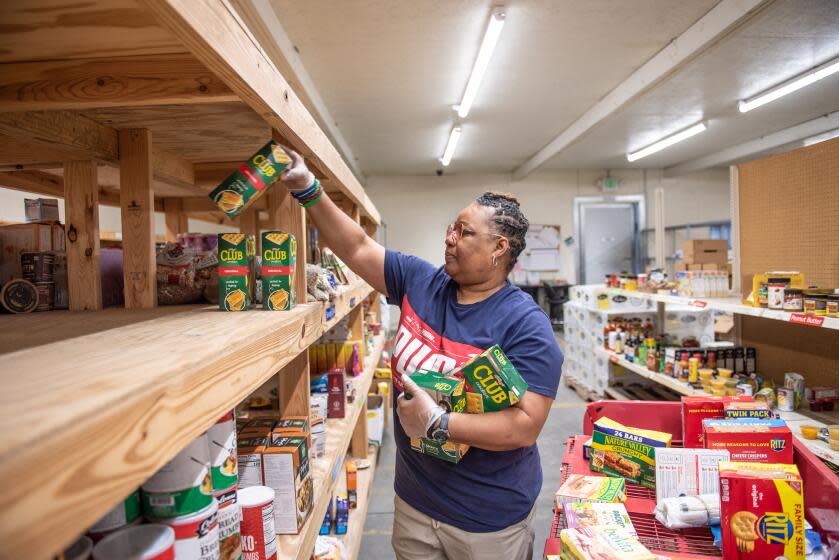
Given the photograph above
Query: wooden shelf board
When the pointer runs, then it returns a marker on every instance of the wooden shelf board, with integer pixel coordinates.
(338, 436)
(100, 401)
(664, 380)
(358, 516)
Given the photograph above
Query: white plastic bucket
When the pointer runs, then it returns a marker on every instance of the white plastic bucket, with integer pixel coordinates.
(196, 535)
(143, 542)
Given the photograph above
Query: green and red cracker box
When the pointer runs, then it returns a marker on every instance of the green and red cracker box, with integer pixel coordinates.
(492, 376)
(449, 392)
(762, 511)
(235, 252)
(279, 263)
(245, 185)
(754, 440)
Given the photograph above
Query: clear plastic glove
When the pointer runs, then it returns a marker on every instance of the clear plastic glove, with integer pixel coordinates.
(296, 176)
(419, 411)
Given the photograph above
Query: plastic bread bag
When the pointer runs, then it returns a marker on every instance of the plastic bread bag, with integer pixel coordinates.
(175, 265)
(683, 512)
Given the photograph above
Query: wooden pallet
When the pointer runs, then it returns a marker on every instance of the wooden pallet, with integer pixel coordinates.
(584, 392)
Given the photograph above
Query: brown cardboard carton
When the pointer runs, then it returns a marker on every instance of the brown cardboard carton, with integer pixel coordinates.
(701, 251)
(18, 238)
(285, 468)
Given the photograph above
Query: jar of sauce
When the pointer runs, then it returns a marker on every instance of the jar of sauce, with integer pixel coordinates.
(775, 292)
(793, 299)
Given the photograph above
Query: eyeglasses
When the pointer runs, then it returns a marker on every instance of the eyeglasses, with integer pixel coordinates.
(460, 231)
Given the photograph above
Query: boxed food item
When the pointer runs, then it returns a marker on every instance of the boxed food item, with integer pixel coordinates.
(248, 183)
(20, 238)
(449, 451)
(762, 511)
(235, 251)
(580, 515)
(285, 468)
(695, 409)
(747, 410)
(40, 209)
(288, 426)
(249, 458)
(602, 543)
(581, 488)
(760, 286)
(618, 450)
(337, 394)
(705, 251)
(687, 472)
(492, 376)
(258, 427)
(279, 264)
(446, 390)
(755, 440)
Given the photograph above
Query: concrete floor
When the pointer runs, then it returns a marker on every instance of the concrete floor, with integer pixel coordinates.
(566, 418)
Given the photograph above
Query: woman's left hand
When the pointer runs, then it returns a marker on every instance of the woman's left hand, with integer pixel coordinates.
(417, 413)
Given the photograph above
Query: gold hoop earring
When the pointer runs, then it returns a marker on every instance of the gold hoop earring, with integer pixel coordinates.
(494, 260)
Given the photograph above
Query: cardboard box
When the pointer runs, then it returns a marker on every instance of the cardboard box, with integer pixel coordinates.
(602, 543)
(449, 451)
(694, 267)
(375, 419)
(19, 238)
(492, 376)
(580, 515)
(337, 394)
(447, 390)
(40, 210)
(762, 511)
(714, 266)
(687, 472)
(251, 180)
(750, 439)
(695, 409)
(235, 252)
(618, 450)
(258, 427)
(249, 457)
(279, 269)
(680, 266)
(581, 488)
(289, 426)
(285, 468)
(702, 251)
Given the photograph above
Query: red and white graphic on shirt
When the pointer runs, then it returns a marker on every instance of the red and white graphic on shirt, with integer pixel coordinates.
(416, 346)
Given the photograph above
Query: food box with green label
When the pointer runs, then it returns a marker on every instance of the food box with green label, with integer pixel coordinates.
(448, 392)
(449, 451)
(619, 450)
(251, 180)
(279, 264)
(235, 251)
(493, 383)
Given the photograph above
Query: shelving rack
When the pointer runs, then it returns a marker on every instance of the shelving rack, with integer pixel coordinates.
(146, 105)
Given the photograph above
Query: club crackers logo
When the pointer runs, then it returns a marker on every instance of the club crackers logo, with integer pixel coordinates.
(775, 528)
(778, 444)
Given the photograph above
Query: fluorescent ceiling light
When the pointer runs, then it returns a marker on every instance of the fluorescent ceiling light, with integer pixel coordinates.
(790, 86)
(829, 135)
(666, 142)
(496, 23)
(451, 146)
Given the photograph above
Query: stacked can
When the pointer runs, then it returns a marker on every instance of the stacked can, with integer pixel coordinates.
(38, 267)
(180, 495)
(259, 538)
(126, 513)
(224, 467)
(143, 542)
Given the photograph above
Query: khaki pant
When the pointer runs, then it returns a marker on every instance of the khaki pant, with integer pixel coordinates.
(419, 537)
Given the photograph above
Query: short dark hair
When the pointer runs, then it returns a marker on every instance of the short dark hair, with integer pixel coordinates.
(509, 220)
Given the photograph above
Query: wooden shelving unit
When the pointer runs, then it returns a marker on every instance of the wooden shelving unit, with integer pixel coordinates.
(358, 516)
(145, 105)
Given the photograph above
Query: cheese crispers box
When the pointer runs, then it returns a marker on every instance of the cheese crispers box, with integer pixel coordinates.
(235, 251)
(448, 392)
(755, 440)
(493, 377)
(285, 468)
(279, 267)
(762, 511)
(619, 450)
(245, 185)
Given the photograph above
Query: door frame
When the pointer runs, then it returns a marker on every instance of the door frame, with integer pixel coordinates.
(638, 201)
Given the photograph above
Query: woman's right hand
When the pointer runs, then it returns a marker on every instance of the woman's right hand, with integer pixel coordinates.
(296, 176)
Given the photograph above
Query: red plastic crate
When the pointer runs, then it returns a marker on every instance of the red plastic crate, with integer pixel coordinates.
(821, 485)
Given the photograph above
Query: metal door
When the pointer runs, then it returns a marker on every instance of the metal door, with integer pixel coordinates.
(609, 240)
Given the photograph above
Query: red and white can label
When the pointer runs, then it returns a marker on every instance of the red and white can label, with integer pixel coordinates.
(259, 540)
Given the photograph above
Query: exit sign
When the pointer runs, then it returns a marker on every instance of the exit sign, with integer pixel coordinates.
(609, 184)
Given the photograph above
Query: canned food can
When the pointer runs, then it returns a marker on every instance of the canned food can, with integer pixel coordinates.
(222, 442)
(125, 513)
(196, 535)
(229, 518)
(745, 389)
(259, 538)
(143, 542)
(183, 486)
(786, 399)
(79, 550)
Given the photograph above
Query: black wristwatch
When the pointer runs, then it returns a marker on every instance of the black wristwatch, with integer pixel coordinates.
(440, 434)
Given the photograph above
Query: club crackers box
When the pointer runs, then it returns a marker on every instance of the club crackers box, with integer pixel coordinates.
(279, 264)
(762, 511)
(245, 185)
(235, 253)
(493, 377)
(449, 392)
(618, 450)
(755, 440)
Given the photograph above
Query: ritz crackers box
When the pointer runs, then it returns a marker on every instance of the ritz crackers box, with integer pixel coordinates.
(235, 251)
(279, 263)
(245, 185)
(762, 511)
(447, 391)
(754, 440)
(492, 376)
(618, 450)
(697, 408)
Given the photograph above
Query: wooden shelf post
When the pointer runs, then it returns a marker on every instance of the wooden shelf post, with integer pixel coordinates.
(81, 196)
(176, 220)
(293, 386)
(137, 202)
(358, 443)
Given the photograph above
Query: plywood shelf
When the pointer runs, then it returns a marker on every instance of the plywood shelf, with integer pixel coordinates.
(326, 472)
(91, 408)
(358, 516)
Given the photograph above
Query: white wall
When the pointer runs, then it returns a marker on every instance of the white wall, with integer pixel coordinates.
(417, 209)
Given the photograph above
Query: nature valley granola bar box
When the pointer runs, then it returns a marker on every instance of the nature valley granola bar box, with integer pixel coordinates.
(245, 185)
(235, 251)
(493, 377)
(279, 267)
(619, 450)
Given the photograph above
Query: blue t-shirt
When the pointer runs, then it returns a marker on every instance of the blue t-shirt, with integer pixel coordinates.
(487, 490)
